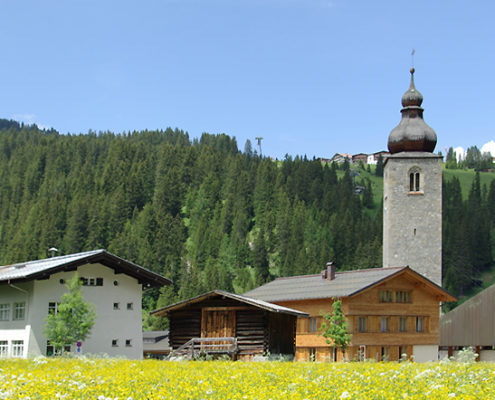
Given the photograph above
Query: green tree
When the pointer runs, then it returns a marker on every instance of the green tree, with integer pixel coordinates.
(73, 319)
(451, 161)
(334, 328)
(379, 166)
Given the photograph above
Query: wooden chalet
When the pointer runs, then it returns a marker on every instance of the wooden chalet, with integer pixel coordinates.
(220, 322)
(389, 311)
(359, 157)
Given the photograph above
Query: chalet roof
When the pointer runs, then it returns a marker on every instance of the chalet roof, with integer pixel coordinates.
(345, 284)
(42, 269)
(243, 299)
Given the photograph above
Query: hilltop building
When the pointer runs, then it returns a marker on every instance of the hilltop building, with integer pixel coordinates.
(30, 290)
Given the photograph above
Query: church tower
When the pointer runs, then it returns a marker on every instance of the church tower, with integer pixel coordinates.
(412, 193)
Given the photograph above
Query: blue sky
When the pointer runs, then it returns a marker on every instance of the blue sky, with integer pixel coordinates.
(311, 77)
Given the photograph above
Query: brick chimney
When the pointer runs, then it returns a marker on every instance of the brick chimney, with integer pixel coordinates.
(329, 273)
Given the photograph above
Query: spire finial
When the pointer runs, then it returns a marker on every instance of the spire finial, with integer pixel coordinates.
(411, 86)
(412, 59)
(412, 134)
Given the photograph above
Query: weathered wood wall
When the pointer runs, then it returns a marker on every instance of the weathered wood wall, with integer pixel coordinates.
(282, 331)
(472, 323)
(184, 325)
(251, 332)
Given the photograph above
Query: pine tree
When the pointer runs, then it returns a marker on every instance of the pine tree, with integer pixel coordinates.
(260, 258)
(379, 166)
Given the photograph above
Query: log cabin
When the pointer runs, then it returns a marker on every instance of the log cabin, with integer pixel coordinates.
(391, 312)
(246, 327)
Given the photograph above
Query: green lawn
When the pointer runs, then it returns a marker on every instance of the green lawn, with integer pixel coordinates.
(466, 177)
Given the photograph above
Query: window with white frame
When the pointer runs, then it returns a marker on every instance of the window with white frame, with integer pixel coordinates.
(4, 348)
(4, 312)
(50, 349)
(17, 348)
(19, 311)
(53, 307)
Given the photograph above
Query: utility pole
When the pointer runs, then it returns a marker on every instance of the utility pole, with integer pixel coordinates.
(259, 139)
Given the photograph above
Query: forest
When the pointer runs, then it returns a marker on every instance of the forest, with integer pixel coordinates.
(208, 215)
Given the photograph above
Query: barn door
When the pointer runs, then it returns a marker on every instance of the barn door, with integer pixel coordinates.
(215, 324)
(218, 323)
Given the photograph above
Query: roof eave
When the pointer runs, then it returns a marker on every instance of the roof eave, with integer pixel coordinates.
(143, 275)
(443, 295)
(251, 301)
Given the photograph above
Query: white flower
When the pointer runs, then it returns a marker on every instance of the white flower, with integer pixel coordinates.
(345, 395)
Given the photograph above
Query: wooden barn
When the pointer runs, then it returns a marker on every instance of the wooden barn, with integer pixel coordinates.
(389, 311)
(220, 322)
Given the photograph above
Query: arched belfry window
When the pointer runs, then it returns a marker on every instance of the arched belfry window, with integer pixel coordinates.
(414, 180)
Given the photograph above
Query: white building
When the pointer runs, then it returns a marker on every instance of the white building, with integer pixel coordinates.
(30, 290)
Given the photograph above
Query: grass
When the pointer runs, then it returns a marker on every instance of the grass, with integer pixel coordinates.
(466, 177)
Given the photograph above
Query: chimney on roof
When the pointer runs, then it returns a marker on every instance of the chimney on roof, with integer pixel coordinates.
(329, 273)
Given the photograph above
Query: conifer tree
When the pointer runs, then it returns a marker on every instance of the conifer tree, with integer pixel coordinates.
(73, 319)
(334, 328)
(379, 166)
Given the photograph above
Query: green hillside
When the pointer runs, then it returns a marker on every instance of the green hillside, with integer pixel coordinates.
(207, 215)
(466, 177)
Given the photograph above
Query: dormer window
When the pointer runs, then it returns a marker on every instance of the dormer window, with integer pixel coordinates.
(414, 180)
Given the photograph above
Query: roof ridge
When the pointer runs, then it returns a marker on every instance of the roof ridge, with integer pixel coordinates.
(340, 272)
(55, 258)
(370, 269)
(295, 276)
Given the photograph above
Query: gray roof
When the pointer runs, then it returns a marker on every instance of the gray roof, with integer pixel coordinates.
(39, 269)
(307, 287)
(156, 342)
(243, 299)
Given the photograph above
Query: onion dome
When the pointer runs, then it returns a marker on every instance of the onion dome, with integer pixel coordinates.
(412, 133)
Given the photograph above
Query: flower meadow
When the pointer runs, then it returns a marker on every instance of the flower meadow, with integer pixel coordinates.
(103, 379)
